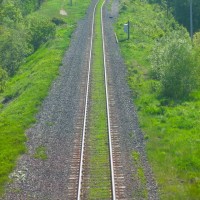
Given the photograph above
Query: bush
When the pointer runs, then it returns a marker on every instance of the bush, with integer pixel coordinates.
(41, 30)
(174, 66)
(196, 39)
(58, 21)
(196, 44)
(28, 6)
(10, 14)
(14, 47)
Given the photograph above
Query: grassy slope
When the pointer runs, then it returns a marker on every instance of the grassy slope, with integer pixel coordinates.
(172, 131)
(30, 85)
(99, 184)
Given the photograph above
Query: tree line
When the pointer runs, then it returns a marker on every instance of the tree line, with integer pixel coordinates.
(181, 11)
(175, 58)
(20, 34)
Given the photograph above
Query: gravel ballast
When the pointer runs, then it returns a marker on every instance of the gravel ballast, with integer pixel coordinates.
(131, 137)
(38, 179)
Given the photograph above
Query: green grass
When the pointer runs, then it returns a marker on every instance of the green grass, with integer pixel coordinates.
(26, 90)
(172, 129)
(109, 5)
(139, 177)
(99, 165)
(40, 153)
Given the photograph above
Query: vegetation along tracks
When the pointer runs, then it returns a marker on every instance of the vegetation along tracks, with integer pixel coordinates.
(96, 168)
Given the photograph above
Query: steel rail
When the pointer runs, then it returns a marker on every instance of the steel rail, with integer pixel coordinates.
(108, 108)
(86, 107)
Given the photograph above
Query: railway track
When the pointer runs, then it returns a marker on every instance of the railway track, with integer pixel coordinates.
(84, 181)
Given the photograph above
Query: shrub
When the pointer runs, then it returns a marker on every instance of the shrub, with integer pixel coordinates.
(123, 5)
(41, 30)
(14, 47)
(196, 39)
(196, 44)
(28, 6)
(10, 14)
(58, 21)
(174, 66)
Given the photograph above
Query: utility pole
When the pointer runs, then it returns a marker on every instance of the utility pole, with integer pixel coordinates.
(191, 20)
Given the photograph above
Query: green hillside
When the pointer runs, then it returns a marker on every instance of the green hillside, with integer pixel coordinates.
(163, 73)
(29, 82)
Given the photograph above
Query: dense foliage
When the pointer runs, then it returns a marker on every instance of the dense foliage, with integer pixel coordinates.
(40, 30)
(20, 35)
(14, 47)
(26, 89)
(181, 11)
(163, 67)
(174, 65)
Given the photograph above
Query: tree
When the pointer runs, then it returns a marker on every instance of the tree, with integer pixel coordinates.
(14, 47)
(41, 30)
(181, 11)
(16, 39)
(10, 14)
(173, 64)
